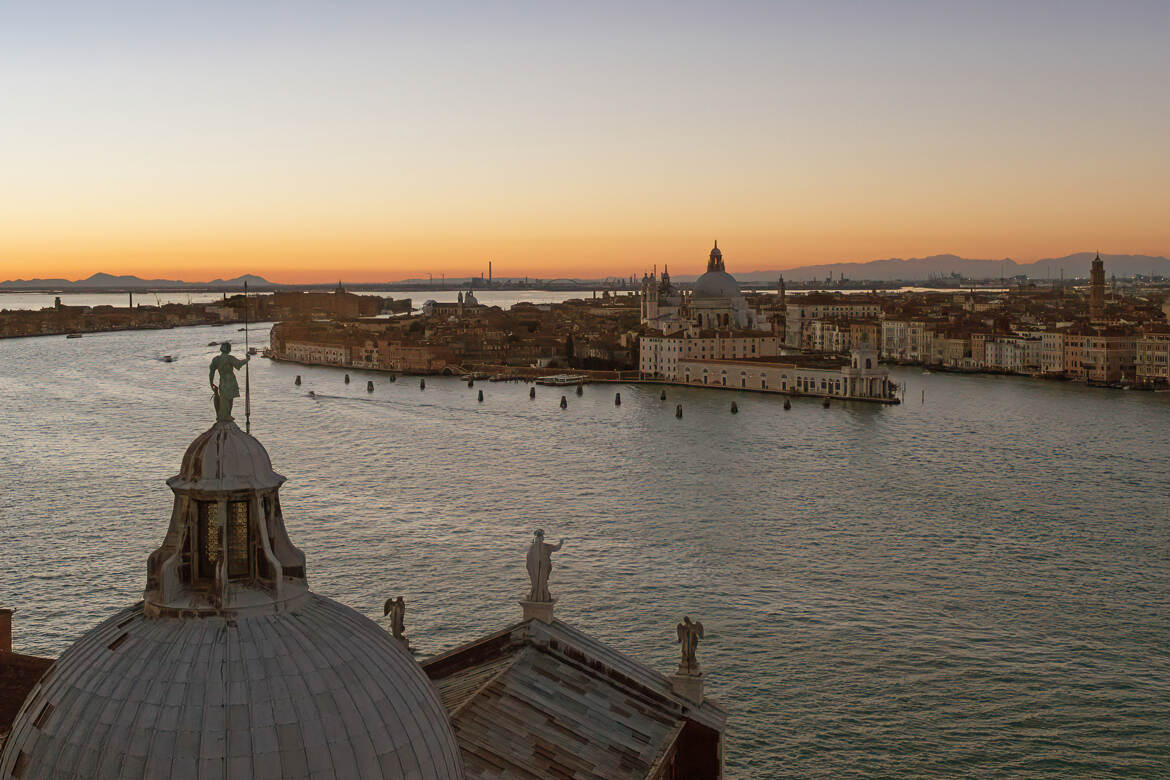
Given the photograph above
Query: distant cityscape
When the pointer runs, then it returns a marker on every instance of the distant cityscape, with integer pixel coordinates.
(833, 344)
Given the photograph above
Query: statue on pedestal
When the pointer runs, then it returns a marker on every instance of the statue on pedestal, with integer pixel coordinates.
(540, 566)
(689, 635)
(396, 609)
(227, 392)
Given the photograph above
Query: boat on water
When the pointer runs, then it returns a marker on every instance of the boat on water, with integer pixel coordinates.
(167, 359)
(73, 335)
(213, 343)
(561, 380)
(252, 350)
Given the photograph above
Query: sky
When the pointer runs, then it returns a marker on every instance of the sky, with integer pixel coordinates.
(363, 141)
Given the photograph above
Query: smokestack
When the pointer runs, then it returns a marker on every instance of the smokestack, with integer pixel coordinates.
(489, 273)
(5, 630)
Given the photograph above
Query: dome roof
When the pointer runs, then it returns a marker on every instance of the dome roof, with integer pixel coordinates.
(717, 284)
(225, 458)
(319, 691)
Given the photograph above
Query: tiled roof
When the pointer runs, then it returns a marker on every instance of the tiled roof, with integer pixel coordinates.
(546, 701)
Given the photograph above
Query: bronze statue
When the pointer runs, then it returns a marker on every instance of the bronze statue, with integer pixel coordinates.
(227, 392)
(396, 609)
(689, 635)
(540, 566)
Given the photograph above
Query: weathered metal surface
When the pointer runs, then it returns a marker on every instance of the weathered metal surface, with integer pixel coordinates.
(546, 701)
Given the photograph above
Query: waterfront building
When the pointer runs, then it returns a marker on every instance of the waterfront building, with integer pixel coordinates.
(1052, 349)
(1013, 354)
(1109, 356)
(659, 356)
(1152, 358)
(861, 377)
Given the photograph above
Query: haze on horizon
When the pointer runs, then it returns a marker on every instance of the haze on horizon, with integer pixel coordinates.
(373, 141)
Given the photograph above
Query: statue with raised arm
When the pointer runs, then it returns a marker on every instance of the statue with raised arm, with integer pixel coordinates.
(396, 609)
(689, 635)
(540, 566)
(223, 396)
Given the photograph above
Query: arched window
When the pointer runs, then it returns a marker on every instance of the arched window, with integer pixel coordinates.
(868, 363)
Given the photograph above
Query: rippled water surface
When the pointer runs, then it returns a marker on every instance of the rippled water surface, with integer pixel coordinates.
(975, 585)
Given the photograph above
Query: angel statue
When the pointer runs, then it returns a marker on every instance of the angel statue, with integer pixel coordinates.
(396, 609)
(223, 396)
(540, 566)
(689, 635)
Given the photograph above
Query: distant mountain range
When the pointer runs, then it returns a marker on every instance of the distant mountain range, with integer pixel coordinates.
(891, 270)
(924, 268)
(100, 281)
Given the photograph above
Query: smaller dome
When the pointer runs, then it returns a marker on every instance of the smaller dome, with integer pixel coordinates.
(225, 458)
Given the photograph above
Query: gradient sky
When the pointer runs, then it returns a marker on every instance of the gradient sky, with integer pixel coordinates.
(309, 141)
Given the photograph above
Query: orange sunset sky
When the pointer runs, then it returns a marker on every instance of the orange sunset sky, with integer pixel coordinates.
(371, 142)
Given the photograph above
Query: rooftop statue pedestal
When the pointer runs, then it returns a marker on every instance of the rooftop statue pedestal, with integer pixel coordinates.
(541, 610)
(688, 684)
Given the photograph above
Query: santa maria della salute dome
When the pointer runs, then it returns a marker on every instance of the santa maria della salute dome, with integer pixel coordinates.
(230, 667)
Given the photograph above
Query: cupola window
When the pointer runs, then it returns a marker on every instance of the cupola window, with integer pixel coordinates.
(238, 546)
(207, 542)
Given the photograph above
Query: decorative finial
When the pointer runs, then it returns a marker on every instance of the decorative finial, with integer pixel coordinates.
(229, 389)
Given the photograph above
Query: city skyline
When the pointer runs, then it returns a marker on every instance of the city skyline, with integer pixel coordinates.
(373, 144)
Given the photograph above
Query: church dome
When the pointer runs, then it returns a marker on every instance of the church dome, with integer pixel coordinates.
(318, 692)
(717, 284)
(230, 666)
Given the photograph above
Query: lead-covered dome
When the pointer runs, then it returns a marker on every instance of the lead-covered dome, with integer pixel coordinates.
(225, 458)
(230, 666)
(320, 691)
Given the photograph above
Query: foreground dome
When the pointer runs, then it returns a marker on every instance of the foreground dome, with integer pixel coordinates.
(319, 691)
(230, 667)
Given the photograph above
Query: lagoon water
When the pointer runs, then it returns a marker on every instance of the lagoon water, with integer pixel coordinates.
(977, 585)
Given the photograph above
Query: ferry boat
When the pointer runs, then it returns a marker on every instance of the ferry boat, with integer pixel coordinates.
(561, 380)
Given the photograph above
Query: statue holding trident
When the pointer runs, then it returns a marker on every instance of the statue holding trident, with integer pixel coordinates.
(540, 566)
(227, 392)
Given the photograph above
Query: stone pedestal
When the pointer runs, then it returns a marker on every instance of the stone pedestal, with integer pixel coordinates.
(688, 684)
(541, 610)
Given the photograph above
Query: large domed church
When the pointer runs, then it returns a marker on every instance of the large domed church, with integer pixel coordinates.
(714, 302)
